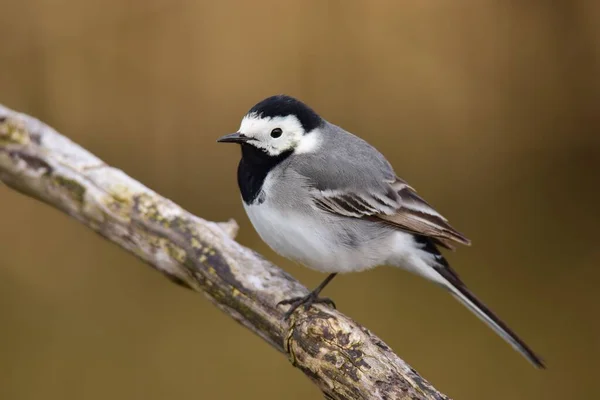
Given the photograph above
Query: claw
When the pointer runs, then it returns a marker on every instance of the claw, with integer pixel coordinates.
(309, 299)
(306, 301)
(328, 301)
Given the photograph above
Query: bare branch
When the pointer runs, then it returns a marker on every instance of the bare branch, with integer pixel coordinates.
(343, 358)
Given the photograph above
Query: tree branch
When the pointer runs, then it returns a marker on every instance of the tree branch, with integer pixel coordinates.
(343, 358)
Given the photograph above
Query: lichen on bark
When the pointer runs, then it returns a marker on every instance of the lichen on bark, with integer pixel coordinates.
(13, 131)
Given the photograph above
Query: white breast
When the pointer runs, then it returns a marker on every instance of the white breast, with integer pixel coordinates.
(315, 242)
(290, 235)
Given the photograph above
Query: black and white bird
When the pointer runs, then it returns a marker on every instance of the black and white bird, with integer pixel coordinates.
(322, 196)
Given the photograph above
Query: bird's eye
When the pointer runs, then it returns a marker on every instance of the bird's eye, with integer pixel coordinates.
(275, 133)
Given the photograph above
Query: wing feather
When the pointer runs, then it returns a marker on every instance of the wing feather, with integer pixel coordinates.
(399, 206)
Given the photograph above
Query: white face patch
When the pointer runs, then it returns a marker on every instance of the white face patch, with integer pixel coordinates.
(309, 142)
(292, 136)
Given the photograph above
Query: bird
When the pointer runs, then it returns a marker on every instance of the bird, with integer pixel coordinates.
(321, 196)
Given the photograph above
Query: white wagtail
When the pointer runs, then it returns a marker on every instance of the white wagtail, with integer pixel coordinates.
(322, 196)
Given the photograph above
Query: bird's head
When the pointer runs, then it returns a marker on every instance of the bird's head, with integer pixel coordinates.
(278, 124)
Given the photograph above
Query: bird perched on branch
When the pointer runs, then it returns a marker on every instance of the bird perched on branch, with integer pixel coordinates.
(322, 196)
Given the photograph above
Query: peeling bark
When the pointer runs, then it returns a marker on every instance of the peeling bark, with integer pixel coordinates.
(341, 357)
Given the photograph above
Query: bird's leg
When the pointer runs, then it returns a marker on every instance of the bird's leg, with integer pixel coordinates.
(309, 299)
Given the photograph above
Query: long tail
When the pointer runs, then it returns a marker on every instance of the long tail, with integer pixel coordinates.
(432, 265)
(462, 294)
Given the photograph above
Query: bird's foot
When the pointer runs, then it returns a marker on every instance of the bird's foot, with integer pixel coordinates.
(306, 301)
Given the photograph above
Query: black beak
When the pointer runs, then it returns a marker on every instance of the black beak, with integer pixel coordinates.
(233, 138)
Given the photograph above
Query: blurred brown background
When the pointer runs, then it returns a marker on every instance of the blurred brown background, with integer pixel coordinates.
(489, 108)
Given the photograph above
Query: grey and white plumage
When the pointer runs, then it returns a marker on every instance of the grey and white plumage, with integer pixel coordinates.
(324, 197)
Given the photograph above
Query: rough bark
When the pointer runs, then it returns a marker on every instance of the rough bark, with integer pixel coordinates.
(341, 357)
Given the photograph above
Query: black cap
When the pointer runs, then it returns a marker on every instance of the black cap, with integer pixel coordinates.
(282, 106)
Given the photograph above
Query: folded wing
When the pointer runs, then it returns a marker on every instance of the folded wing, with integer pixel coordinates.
(399, 206)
